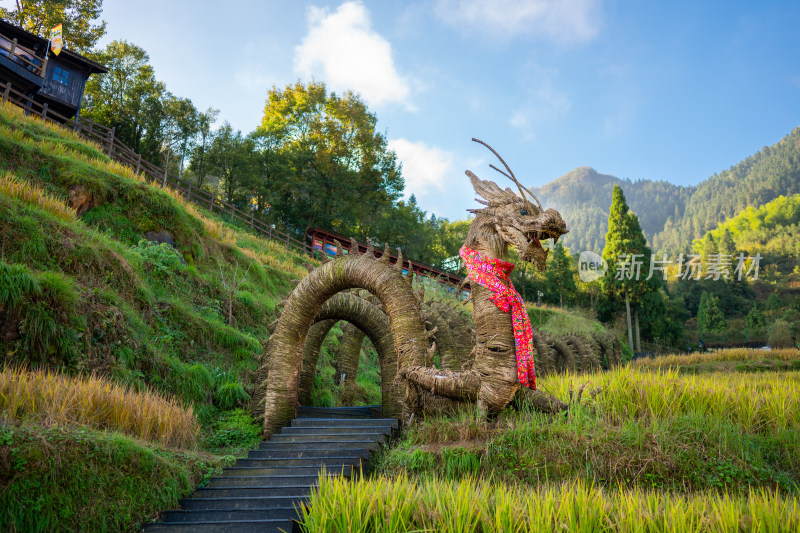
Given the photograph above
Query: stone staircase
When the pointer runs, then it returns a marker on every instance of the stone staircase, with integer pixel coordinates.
(263, 492)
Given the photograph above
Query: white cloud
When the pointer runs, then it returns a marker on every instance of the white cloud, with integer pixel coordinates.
(562, 21)
(424, 167)
(342, 49)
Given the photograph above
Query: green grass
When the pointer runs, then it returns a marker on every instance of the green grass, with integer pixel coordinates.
(632, 428)
(402, 504)
(56, 479)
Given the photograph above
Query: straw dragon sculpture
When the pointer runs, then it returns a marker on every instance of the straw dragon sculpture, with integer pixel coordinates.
(508, 218)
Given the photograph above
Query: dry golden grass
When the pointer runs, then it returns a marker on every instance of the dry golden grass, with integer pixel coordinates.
(17, 113)
(50, 398)
(758, 402)
(735, 354)
(120, 169)
(33, 194)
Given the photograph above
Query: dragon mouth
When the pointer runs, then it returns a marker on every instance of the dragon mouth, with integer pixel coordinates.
(535, 253)
(537, 236)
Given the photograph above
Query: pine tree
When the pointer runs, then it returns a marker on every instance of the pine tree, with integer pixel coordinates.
(559, 273)
(628, 258)
(726, 244)
(710, 318)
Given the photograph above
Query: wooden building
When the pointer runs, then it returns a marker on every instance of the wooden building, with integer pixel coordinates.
(55, 80)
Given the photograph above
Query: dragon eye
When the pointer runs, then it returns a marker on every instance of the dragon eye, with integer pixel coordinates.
(523, 212)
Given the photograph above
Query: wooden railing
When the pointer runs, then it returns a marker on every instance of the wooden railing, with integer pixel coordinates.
(17, 53)
(118, 151)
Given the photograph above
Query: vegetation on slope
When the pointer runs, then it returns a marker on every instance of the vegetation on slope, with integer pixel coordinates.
(82, 291)
(91, 294)
(68, 479)
(772, 230)
(627, 427)
(84, 450)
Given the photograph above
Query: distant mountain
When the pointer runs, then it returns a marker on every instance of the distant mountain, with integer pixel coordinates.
(583, 197)
(672, 216)
(760, 178)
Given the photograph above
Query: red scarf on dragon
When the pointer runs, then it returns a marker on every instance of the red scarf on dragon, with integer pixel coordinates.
(493, 274)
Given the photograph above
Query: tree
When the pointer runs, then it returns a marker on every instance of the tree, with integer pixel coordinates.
(341, 174)
(726, 245)
(628, 258)
(755, 322)
(231, 157)
(710, 318)
(780, 334)
(181, 125)
(559, 273)
(128, 98)
(77, 16)
(199, 162)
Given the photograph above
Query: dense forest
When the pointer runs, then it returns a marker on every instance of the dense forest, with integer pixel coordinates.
(772, 230)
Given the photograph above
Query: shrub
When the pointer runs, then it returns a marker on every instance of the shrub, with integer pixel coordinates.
(234, 429)
(779, 334)
(230, 395)
(164, 259)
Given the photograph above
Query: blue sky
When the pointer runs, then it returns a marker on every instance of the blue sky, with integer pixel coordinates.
(641, 90)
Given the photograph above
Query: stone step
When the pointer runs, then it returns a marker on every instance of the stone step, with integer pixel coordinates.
(345, 422)
(366, 430)
(313, 447)
(286, 491)
(261, 481)
(241, 502)
(230, 515)
(310, 470)
(292, 452)
(290, 462)
(265, 491)
(366, 411)
(241, 526)
(340, 437)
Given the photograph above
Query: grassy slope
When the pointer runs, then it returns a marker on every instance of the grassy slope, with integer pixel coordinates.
(78, 479)
(91, 296)
(85, 294)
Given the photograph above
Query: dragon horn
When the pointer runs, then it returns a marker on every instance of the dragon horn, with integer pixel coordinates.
(510, 175)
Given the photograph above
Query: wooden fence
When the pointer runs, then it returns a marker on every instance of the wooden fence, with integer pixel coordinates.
(118, 151)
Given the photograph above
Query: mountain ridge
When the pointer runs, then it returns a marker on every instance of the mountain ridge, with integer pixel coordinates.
(671, 215)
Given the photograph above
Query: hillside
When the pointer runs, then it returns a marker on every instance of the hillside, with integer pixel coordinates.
(762, 177)
(583, 196)
(82, 291)
(86, 291)
(772, 230)
(672, 216)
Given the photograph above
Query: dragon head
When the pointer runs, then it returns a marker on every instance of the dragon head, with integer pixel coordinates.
(511, 218)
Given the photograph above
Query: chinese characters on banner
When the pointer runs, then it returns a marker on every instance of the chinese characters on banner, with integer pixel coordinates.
(689, 267)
